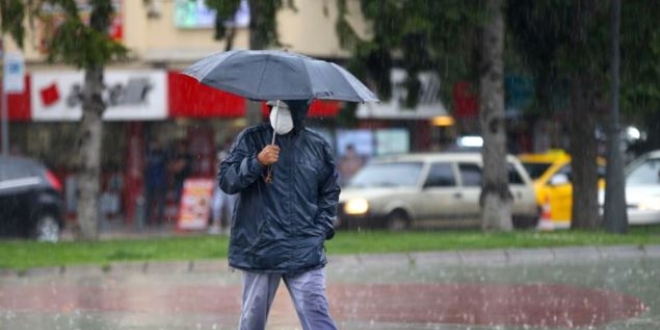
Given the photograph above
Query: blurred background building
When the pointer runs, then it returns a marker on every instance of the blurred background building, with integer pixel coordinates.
(151, 103)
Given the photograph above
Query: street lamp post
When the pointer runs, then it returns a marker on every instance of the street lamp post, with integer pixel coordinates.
(3, 96)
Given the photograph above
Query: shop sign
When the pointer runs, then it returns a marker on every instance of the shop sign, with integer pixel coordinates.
(129, 95)
(428, 106)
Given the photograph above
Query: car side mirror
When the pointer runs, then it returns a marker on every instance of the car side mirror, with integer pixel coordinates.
(559, 179)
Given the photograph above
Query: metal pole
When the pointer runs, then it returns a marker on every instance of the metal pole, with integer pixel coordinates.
(615, 212)
(3, 95)
(5, 123)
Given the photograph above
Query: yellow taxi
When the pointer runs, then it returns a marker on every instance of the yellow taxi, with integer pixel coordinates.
(551, 174)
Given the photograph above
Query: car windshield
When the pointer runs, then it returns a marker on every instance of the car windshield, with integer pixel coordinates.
(536, 170)
(401, 174)
(645, 173)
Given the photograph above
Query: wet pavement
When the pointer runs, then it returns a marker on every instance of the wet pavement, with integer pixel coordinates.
(564, 288)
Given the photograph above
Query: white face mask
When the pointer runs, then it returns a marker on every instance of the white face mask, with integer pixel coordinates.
(280, 119)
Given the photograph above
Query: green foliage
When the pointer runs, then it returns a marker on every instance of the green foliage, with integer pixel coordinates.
(543, 32)
(84, 45)
(12, 13)
(549, 38)
(225, 9)
(263, 19)
(640, 57)
(416, 35)
(80, 45)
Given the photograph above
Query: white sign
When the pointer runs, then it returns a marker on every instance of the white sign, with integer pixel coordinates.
(129, 95)
(14, 73)
(428, 106)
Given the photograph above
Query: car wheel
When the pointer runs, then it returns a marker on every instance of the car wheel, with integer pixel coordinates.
(397, 221)
(47, 229)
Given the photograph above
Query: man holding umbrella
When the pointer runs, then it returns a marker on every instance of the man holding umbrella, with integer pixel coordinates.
(286, 208)
(287, 189)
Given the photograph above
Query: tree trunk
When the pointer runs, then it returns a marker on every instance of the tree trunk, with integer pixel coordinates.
(91, 133)
(584, 151)
(584, 146)
(496, 198)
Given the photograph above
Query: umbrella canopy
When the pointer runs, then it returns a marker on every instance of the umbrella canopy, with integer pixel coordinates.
(278, 75)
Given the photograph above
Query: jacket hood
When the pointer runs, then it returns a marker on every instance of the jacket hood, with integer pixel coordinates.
(299, 110)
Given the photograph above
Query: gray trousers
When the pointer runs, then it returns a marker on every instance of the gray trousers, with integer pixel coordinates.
(307, 290)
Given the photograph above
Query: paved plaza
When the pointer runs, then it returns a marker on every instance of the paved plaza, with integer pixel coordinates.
(564, 288)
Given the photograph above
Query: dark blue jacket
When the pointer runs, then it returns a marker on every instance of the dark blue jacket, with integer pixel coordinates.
(281, 226)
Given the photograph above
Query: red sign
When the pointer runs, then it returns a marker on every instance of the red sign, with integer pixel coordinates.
(322, 108)
(465, 102)
(19, 104)
(188, 98)
(319, 108)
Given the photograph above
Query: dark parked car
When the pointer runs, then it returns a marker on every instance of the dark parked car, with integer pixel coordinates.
(31, 203)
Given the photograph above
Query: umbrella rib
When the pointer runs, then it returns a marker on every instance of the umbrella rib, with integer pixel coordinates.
(309, 81)
(263, 73)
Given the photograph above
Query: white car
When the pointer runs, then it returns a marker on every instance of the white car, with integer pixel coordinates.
(643, 189)
(428, 190)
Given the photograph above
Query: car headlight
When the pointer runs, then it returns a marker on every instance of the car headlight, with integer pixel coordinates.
(651, 204)
(356, 206)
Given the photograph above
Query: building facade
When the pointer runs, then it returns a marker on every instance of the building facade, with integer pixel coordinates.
(150, 102)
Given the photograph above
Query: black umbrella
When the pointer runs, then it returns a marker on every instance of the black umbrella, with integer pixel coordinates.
(278, 75)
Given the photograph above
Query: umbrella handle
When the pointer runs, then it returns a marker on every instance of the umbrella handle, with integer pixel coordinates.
(269, 175)
(277, 107)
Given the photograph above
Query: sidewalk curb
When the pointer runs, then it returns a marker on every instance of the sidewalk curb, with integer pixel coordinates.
(471, 257)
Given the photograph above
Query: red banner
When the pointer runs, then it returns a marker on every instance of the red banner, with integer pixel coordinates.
(319, 108)
(465, 102)
(19, 105)
(189, 98)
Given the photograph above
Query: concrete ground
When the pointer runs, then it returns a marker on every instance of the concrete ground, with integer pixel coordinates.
(564, 288)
